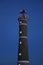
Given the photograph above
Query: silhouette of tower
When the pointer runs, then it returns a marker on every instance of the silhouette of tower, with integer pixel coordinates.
(23, 57)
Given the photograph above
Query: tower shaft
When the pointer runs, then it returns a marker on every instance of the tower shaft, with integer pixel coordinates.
(23, 58)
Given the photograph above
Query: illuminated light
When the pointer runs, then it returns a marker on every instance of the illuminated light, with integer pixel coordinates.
(20, 42)
(20, 22)
(19, 64)
(20, 32)
(19, 54)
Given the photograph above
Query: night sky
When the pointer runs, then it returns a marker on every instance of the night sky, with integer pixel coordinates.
(9, 12)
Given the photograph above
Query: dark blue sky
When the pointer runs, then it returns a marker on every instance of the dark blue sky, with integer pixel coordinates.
(9, 12)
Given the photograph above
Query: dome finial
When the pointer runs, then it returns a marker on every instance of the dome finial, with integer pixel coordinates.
(23, 11)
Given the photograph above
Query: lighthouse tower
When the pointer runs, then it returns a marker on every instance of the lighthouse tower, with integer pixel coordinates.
(23, 57)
